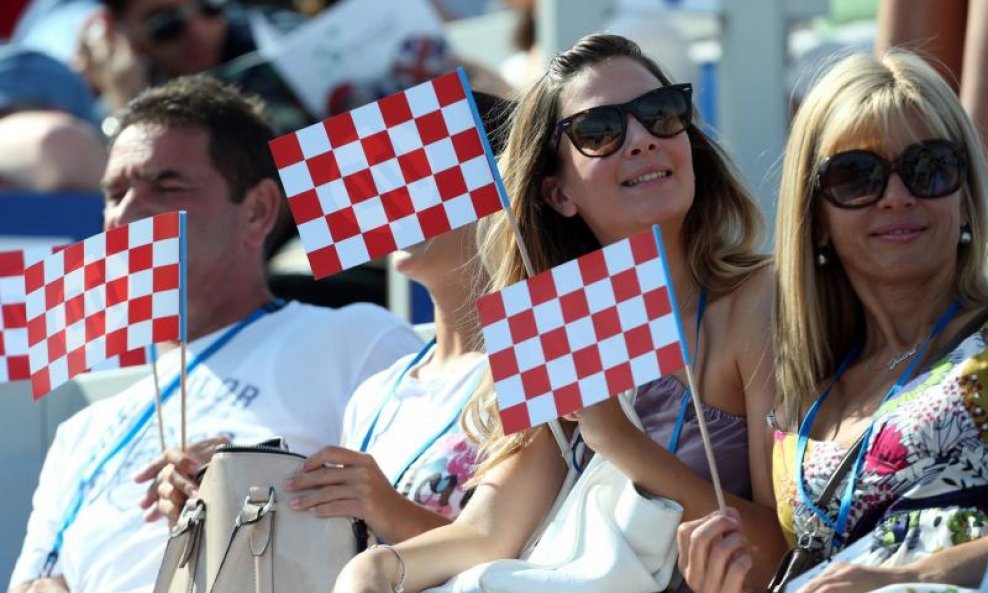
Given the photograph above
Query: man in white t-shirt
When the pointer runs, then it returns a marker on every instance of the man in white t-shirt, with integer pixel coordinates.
(257, 367)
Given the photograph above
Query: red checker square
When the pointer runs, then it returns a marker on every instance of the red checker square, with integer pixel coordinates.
(414, 165)
(638, 341)
(75, 309)
(165, 226)
(134, 357)
(522, 326)
(73, 255)
(323, 168)
(340, 130)
(40, 383)
(95, 274)
(117, 239)
(433, 221)
(116, 342)
(503, 364)
(34, 277)
(587, 361)
(3, 349)
(657, 303)
(324, 262)
(116, 291)
(670, 358)
(360, 186)
(397, 203)
(139, 309)
(11, 263)
(56, 345)
(643, 247)
(451, 183)
(574, 305)
(432, 127)
(379, 242)
(515, 418)
(535, 381)
(305, 206)
(606, 323)
(593, 267)
(164, 329)
(490, 309)
(95, 325)
(486, 200)
(77, 361)
(378, 148)
(449, 89)
(14, 315)
(55, 293)
(395, 109)
(625, 285)
(568, 399)
(541, 288)
(37, 330)
(18, 368)
(285, 150)
(342, 224)
(140, 258)
(467, 144)
(619, 378)
(165, 278)
(555, 343)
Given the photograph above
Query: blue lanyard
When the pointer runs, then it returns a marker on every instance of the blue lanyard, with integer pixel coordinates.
(139, 426)
(677, 430)
(840, 524)
(443, 430)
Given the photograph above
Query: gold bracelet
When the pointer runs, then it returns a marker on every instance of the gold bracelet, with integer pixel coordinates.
(400, 587)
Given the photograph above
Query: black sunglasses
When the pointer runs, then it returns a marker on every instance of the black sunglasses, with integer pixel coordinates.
(599, 131)
(858, 178)
(169, 24)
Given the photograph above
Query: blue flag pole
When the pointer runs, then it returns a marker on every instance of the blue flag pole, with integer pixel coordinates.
(183, 314)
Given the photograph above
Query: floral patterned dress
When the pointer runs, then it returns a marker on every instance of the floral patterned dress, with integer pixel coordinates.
(923, 485)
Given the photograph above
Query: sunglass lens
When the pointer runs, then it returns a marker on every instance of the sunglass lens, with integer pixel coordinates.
(597, 132)
(853, 179)
(210, 8)
(166, 25)
(663, 111)
(932, 169)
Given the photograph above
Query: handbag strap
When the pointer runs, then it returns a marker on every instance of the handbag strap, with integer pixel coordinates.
(830, 488)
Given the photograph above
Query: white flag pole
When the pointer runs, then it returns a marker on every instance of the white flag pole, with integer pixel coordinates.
(184, 423)
(157, 398)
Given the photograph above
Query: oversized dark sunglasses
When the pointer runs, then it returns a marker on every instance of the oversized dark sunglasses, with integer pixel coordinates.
(169, 24)
(858, 178)
(599, 131)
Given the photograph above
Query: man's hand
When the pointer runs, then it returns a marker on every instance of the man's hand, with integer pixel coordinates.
(107, 60)
(54, 584)
(172, 476)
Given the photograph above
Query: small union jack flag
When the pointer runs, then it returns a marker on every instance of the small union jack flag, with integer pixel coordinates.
(582, 331)
(389, 174)
(106, 296)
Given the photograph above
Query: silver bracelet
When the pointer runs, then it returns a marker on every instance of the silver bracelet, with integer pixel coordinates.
(400, 587)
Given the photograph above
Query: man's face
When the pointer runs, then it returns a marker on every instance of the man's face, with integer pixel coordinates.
(152, 170)
(179, 36)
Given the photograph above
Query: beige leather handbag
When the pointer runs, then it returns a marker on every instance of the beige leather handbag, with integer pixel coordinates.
(240, 535)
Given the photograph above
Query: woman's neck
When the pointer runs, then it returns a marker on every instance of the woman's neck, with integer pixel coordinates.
(456, 325)
(685, 285)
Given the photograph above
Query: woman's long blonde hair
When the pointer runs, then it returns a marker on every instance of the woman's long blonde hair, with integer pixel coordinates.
(723, 225)
(818, 316)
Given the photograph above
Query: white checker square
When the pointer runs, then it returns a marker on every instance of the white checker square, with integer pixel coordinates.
(477, 172)
(117, 266)
(407, 231)
(34, 304)
(613, 351)
(55, 320)
(441, 155)
(93, 249)
(15, 340)
(164, 304)
(387, 176)
(313, 140)
(140, 284)
(632, 313)
(75, 335)
(54, 267)
(600, 295)
(95, 299)
(422, 99)
(664, 331)
(165, 252)
(497, 336)
(350, 158)
(562, 372)
(618, 257)
(580, 334)
(295, 178)
(74, 284)
(516, 298)
(139, 334)
(405, 137)
(35, 254)
(460, 211)
(352, 251)
(651, 275)
(4, 376)
(12, 289)
(548, 316)
(315, 234)
(95, 350)
(333, 196)
(645, 368)
(368, 120)
(510, 392)
(424, 193)
(542, 409)
(529, 354)
(58, 371)
(458, 117)
(37, 356)
(566, 277)
(140, 232)
(594, 389)
(116, 317)
(370, 214)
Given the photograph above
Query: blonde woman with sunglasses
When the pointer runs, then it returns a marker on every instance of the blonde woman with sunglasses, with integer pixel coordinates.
(602, 147)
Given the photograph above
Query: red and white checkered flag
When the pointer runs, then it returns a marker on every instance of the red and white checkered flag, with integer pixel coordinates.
(389, 174)
(581, 332)
(106, 296)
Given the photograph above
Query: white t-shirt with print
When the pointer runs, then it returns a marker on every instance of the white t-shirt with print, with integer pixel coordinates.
(289, 374)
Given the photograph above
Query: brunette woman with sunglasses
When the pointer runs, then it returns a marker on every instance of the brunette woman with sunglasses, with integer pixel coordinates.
(880, 335)
(603, 147)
